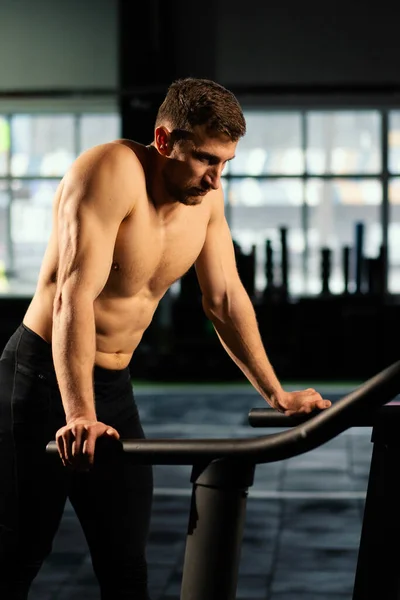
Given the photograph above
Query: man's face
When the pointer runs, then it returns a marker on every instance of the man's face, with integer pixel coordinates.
(195, 165)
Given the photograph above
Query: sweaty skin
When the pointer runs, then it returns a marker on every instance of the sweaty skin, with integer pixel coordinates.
(128, 221)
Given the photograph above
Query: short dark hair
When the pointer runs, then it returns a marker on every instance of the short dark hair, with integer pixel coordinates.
(190, 102)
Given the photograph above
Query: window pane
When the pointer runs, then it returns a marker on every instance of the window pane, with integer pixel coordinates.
(394, 237)
(394, 141)
(98, 129)
(335, 207)
(42, 145)
(273, 192)
(343, 142)
(5, 258)
(272, 144)
(258, 210)
(4, 145)
(31, 220)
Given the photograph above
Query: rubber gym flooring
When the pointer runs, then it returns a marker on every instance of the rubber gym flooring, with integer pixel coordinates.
(303, 519)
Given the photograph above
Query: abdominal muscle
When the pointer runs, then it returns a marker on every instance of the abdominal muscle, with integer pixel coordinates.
(120, 324)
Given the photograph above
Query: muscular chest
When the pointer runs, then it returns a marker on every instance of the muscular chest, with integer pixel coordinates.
(152, 256)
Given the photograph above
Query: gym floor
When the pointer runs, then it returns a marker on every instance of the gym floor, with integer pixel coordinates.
(303, 519)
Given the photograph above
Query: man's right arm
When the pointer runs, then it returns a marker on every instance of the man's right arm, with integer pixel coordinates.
(94, 202)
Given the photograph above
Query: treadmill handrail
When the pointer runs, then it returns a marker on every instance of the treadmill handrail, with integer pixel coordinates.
(317, 430)
(268, 417)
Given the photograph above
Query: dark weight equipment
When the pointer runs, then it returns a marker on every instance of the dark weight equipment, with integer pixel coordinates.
(326, 269)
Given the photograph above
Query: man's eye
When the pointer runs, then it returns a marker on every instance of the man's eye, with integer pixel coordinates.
(202, 158)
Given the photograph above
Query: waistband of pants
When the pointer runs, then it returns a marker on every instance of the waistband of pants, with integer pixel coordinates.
(33, 350)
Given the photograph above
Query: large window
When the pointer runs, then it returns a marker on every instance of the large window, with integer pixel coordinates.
(320, 175)
(35, 152)
(394, 201)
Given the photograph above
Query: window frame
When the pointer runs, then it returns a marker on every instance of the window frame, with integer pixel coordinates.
(383, 175)
(76, 109)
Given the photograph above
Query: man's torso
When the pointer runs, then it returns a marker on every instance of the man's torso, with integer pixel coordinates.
(149, 255)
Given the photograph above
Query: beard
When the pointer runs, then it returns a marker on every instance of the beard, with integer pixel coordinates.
(187, 195)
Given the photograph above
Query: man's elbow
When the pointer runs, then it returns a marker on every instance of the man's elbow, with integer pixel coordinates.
(215, 307)
(225, 306)
(222, 306)
(71, 298)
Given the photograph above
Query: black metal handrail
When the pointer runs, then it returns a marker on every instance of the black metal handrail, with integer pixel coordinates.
(307, 435)
(268, 417)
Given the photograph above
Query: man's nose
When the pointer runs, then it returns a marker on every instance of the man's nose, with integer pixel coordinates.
(213, 177)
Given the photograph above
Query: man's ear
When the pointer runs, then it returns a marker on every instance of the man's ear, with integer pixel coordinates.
(162, 140)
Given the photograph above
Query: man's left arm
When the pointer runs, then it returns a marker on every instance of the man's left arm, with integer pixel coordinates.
(228, 306)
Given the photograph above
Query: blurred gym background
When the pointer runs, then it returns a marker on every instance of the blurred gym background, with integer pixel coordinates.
(313, 201)
(312, 198)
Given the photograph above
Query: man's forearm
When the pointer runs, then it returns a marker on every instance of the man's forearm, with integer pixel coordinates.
(74, 348)
(237, 329)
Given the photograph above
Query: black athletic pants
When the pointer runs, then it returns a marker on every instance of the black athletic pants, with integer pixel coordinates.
(112, 500)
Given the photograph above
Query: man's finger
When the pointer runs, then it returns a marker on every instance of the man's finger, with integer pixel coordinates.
(77, 444)
(67, 439)
(89, 446)
(324, 403)
(112, 433)
(61, 449)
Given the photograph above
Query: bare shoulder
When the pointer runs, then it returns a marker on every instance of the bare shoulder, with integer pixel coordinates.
(111, 167)
(106, 158)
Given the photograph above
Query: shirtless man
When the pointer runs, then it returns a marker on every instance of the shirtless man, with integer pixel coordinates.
(129, 220)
